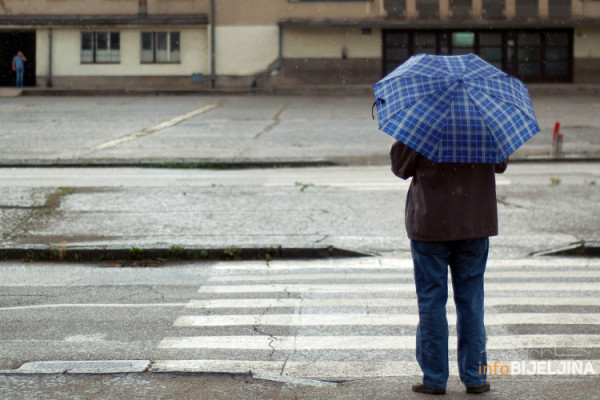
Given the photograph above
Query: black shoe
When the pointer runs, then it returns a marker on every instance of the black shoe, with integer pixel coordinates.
(427, 390)
(478, 389)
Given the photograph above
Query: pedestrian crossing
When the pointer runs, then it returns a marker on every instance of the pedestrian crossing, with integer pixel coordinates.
(356, 318)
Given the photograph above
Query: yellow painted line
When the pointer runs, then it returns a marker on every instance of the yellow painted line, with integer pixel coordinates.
(16, 108)
(155, 128)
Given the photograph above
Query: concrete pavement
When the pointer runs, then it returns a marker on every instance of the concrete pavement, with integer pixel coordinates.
(541, 206)
(225, 129)
(356, 206)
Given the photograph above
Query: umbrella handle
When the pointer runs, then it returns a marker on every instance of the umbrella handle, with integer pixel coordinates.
(378, 100)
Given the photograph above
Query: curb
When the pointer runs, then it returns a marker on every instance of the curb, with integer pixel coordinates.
(81, 367)
(133, 256)
(304, 90)
(109, 367)
(325, 90)
(243, 164)
(178, 164)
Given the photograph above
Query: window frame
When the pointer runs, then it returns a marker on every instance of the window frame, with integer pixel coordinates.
(154, 37)
(111, 46)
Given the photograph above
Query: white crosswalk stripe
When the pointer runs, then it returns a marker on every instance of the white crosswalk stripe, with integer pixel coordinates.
(373, 319)
(345, 319)
(385, 287)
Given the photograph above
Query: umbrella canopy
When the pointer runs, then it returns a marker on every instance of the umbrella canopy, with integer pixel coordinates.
(456, 109)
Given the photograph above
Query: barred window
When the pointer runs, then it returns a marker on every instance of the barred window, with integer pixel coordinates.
(100, 47)
(160, 47)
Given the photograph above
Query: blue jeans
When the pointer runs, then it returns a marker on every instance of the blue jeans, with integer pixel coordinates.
(20, 73)
(467, 260)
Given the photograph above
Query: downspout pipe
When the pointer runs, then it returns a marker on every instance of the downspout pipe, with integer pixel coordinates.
(274, 67)
(49, 80)
(213, 72)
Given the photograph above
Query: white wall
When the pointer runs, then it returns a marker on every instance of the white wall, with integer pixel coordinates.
(245, 50)
(41, 52)
(240, 51)
(66, 54)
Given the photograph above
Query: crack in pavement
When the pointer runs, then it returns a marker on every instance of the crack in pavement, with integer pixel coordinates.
(272, 125)
(295, 334)
(257, 328)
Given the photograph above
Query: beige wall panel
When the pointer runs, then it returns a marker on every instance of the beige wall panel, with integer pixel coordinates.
(41, 52)
(69, 7)
(477, 8)
(66, 56)
(577, 7)
(511, 8)
(586, 9)
(245, 50)
(411, 9)
(179, 6)
(586, 41)
(444, 9)
(329, 42)
(543, 8)
(591, 9)
(268, 12)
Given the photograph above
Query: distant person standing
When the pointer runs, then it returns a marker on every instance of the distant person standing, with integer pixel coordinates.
(18, 65)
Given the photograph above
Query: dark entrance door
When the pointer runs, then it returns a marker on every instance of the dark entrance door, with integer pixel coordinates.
(10, 43)
(530, 55)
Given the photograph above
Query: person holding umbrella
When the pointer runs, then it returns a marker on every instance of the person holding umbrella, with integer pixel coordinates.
(456, 120)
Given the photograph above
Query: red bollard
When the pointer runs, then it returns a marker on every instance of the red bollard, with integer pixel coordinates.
(557, 141)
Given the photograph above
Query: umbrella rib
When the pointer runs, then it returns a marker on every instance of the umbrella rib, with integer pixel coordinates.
(495, 96)
(502, 110)
(482, 115)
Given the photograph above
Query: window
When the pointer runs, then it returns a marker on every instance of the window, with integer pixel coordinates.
(527, 8)
(557, 54)
(493, 8)
(424, 43)
(395, 8)
(490, 48)
(160, 47)
(559, 8)
(463, 43)
(428, 8)
(528, 54)
(100, 47)
(460, 8)
(397, 49)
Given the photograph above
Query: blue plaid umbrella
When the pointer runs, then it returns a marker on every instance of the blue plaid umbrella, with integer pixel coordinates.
(456, 109)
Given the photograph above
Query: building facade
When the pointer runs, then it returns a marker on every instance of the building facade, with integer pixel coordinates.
(233, 43)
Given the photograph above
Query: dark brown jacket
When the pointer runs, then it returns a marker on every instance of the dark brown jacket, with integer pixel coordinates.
(447, 201)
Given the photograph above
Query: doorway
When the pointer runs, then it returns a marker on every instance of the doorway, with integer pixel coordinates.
(10, 43)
